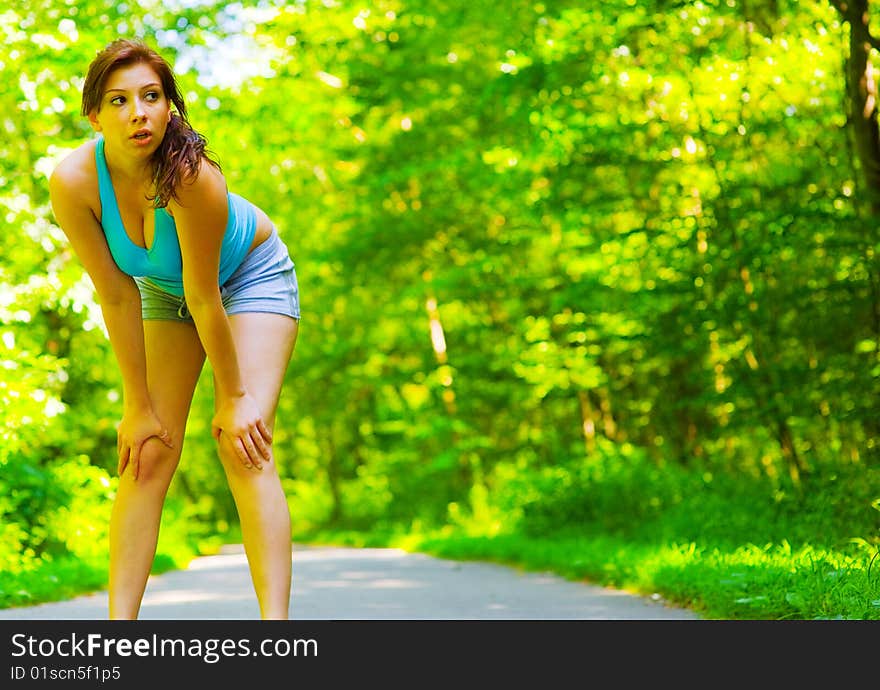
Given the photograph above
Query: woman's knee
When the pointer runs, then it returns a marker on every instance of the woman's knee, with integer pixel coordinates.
(157, 462)
(233, 463)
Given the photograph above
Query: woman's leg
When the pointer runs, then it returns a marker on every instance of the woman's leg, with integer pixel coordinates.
(264, 343)
(174, 357)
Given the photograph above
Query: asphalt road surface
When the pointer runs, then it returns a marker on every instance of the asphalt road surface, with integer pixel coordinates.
(333, 583)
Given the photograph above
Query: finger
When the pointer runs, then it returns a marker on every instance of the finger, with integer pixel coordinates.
(261, 449)
(260, 442)
(253, 454)
(135, 460)
(264, 430)
(123, 460)
(242, 453)
(267, 453)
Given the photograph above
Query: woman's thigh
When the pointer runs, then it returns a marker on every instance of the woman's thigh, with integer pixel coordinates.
(175, 358)
(264, 343)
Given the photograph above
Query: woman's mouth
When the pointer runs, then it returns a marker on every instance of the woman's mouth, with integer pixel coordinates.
(142, 138)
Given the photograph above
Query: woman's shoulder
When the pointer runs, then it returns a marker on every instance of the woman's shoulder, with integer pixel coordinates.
(205, 181)
(77, 172)
(207, 173)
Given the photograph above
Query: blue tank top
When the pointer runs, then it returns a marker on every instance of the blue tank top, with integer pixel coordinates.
(162, 263)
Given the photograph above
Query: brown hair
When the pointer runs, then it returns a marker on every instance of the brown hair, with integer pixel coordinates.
(182, 149)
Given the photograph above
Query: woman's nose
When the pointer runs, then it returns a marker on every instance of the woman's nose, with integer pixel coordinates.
(137, 109)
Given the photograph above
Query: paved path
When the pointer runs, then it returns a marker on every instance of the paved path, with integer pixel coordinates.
(332, 583)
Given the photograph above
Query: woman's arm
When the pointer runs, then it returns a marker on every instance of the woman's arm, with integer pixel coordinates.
(121, 306)
(200, 213)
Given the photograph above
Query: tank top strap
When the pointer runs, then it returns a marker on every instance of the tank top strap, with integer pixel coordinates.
(111, 218)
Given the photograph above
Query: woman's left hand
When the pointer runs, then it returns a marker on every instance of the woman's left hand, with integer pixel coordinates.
(242, 422)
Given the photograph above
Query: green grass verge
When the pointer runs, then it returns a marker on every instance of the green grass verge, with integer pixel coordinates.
(58, 579)
(51, 580)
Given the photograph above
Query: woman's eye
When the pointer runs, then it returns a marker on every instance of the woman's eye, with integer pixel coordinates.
(117, 100)
(153, 96)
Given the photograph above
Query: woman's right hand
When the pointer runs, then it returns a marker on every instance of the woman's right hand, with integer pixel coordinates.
(133, 431)
(238, 418)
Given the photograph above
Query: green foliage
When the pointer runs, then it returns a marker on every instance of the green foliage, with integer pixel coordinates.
(634, 499)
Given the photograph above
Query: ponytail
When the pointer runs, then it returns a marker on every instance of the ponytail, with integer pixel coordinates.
(178, 158)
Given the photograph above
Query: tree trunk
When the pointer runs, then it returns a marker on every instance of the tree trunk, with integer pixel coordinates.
(862, 96)
(862, 116)
(588, 422)
(333, 479)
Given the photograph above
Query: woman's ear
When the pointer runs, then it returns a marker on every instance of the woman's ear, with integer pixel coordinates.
(93, 121)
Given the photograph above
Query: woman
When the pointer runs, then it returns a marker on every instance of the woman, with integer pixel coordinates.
(183, 269)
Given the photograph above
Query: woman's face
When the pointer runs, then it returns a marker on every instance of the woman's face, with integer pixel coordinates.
(133, 111)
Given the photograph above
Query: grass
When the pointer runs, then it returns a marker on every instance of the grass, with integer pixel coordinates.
(59, 578)
(50, 580)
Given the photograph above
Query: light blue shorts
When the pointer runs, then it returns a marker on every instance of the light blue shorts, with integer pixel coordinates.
(265, 282)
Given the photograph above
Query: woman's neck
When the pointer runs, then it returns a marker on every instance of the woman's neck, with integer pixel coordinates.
(134, 173)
